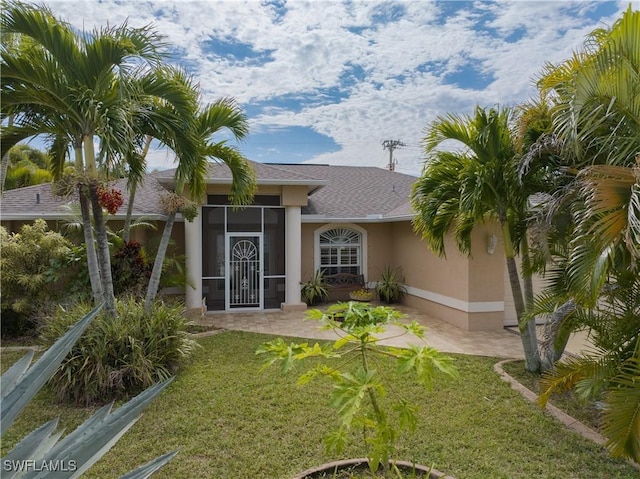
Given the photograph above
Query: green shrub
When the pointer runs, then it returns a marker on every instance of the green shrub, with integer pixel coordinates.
(119, 356)
(29, 283)
(130, 269)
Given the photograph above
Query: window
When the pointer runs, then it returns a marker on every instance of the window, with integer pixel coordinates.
(341, 251)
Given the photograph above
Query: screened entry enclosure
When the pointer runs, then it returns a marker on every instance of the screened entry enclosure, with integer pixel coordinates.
(243, 254)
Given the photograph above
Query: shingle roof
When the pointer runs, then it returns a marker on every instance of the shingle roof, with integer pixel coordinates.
(265, 173)
(39, 201)
(335, 192)
(357, 192)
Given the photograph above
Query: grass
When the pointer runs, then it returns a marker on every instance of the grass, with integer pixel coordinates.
(586, 412)
(229, 420)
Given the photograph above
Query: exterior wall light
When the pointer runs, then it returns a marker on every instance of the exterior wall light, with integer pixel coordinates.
(492, 242)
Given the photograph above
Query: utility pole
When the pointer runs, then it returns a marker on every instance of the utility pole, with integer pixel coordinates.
(391, 145)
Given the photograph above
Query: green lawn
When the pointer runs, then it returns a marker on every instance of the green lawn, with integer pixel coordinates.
(229, 420)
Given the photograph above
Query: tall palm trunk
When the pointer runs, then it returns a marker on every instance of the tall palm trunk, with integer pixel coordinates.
(126, 231)
(553, 345)
(5, 160)
(528, 330)
(528, 290)
(154, 281)
(104, 256)
(87, 230)
(92, 258)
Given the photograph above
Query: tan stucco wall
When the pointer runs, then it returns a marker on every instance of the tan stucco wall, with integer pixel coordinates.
(380, 249)
(306, 266)
(423, 269)
(261, 190)
(294, 195)
(459, 285)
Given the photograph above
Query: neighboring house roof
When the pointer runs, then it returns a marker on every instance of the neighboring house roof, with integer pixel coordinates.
(336, 193)
(266, 174)
(39, 201)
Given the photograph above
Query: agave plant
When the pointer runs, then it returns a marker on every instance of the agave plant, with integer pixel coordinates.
(41, 453)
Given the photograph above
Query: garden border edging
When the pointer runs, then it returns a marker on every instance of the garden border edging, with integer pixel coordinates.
(569, 421)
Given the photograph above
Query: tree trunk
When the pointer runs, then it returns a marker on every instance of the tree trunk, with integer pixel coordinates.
(104, 256)
(87, 229)
(552, 346)
(126, 232)
(92, 259)
(528, 292)
(5, 160)
(154, 281)
(527, 331)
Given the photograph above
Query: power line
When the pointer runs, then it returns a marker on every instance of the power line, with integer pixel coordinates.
(391, 145)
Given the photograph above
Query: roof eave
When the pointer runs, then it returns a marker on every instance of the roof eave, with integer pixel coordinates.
(313, 185)
(66, 216)
(355, 219)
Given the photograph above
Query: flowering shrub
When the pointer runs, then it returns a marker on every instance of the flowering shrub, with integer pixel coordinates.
(110, 199)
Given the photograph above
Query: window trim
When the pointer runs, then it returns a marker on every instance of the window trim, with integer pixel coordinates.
(350, 226)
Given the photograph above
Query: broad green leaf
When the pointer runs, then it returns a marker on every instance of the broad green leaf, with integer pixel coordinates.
(423, 361)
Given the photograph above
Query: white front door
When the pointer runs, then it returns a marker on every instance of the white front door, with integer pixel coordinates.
(244, 271)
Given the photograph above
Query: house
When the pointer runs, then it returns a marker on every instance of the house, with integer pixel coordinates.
(306, 217)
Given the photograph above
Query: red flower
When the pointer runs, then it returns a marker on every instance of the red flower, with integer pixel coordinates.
(111, 200)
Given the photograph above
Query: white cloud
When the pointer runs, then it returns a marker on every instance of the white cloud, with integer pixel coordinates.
(311, 47)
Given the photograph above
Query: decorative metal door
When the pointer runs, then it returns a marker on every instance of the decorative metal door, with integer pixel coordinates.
(244, 281)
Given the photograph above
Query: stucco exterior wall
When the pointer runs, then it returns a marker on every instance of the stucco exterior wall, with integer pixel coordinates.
(380, 249)
(510, 317)
(465, 291)
(306, 257)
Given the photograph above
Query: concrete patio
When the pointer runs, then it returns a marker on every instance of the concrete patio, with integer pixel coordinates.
(503, 343)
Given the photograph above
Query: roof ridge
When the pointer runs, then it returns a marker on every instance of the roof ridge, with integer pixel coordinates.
(274, 167)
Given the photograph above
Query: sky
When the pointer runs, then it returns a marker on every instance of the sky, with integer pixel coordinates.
(328, 81)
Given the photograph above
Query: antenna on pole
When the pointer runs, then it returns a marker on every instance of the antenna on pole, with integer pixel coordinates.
(391, 145)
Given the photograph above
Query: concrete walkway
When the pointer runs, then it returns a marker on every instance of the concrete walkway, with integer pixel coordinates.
(504, 343)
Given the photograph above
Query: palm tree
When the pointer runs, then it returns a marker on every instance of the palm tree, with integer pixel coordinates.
(74, 87)
(164, 114)
(224, 114)
(597, 119)
(459, 189)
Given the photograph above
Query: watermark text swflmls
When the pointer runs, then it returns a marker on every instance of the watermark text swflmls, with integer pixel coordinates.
(25, 465)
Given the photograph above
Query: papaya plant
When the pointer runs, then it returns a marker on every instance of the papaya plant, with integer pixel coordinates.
(43, 453)
(360, 395)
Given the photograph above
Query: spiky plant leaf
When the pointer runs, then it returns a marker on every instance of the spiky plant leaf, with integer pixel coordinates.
(34, 378)
(12, 375)
(32, 447)
(92, 439)
(150, 467)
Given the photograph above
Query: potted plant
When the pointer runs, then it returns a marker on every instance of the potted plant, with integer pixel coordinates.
(363, 294)
(390, 288)
(359, 394)
(315, 290)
